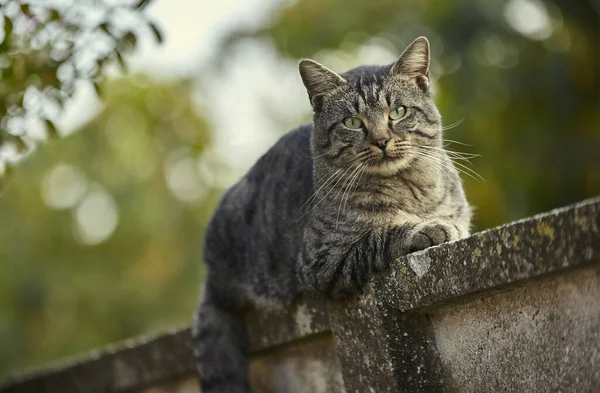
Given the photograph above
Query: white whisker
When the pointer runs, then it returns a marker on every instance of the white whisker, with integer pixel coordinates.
(314, 195)
(453, 154)
(345, 188)
(457, 142)
(458, 166)
(353, 183)
(331, 188)
(455, 124)
(436, 163)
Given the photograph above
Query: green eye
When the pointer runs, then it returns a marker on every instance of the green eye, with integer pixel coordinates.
(398, 113)
(354, 123)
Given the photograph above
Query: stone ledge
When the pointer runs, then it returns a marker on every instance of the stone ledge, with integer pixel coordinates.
(139, 362)
(118, 368)
(279, 326)
(540, 337)
(547, 243)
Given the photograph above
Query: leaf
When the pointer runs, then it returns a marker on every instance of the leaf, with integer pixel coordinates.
(18, 141)
(104, 27)
(5, 176)
(120, 60)
(20, 144)
(55, 15)
(8, 29)
(51, 130)
(101, 60)
(25, 9)
(131, 38)
(96, 86)
(157, 33)
(142, 4)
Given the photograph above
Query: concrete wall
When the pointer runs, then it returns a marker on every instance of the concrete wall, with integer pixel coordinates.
(513, 309)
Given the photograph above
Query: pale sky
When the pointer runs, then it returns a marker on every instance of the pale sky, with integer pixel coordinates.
(254, 90)
(191, 30)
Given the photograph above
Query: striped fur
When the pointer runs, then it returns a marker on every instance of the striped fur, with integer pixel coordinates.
(327, 206)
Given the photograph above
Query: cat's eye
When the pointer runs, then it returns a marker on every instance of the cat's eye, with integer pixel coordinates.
(398, 113)
(354, 123)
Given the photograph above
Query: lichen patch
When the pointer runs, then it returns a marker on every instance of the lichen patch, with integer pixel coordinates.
(419, 262)
(303, 320)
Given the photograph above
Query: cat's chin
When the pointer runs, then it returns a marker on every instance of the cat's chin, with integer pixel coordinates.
(389, 167)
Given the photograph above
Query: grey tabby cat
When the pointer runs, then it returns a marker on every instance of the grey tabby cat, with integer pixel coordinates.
(329, 205)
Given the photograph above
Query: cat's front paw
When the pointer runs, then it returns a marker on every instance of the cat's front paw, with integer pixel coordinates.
(430, 233)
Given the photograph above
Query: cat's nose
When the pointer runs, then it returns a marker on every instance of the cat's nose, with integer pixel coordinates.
(381, 142)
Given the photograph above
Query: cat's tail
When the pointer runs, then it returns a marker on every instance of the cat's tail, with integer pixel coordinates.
(221, 346)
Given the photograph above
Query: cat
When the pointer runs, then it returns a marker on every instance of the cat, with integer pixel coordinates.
(328, 205)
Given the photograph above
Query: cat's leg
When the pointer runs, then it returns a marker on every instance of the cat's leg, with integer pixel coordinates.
(221, 344)
(431, 233)
(339, 263)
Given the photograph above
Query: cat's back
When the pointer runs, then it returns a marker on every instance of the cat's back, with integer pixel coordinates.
(257, 219)
(284, 170)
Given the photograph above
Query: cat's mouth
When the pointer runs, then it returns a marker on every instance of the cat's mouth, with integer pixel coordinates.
(387, 162)
(383, 161)
(388, 156)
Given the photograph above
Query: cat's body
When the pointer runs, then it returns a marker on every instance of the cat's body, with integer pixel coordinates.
(328, 205)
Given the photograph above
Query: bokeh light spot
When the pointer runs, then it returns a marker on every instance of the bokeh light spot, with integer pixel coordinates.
(183, 179)
(63, 187)
(96, 218)
(528, 17)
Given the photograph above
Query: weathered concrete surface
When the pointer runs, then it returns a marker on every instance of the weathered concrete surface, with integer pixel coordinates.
(513, 309)
(168, 356)
(549, 242)
(278, 326)
(390, 323)
(308, 366)
(543, 337)
(188, 384)
(117, 369)
(382, 350)
(303, 367)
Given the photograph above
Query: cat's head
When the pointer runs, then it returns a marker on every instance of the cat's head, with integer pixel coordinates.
(381, 116)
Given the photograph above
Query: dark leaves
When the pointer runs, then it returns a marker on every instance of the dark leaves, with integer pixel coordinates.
(55, 67)
(5, 176)
(17, 141)
(130, 38)
(51, 131)
(142, 3)
(25, 9)
(104, 27)
(120, 60)
(96, 86)
(55, 15)
(157, 33)
(8, 29)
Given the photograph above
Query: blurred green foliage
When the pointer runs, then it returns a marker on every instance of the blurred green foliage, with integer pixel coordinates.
(47, 47)
(63, 290)
(102, 229)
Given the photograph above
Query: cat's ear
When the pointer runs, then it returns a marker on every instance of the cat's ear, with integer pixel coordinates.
(318, 79)
(414, 61)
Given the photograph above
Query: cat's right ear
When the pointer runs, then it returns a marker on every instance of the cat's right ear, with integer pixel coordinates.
(318, 79)
(414, 62)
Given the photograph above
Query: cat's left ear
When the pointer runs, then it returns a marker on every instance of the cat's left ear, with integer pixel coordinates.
(414, 62)
(318, 79)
